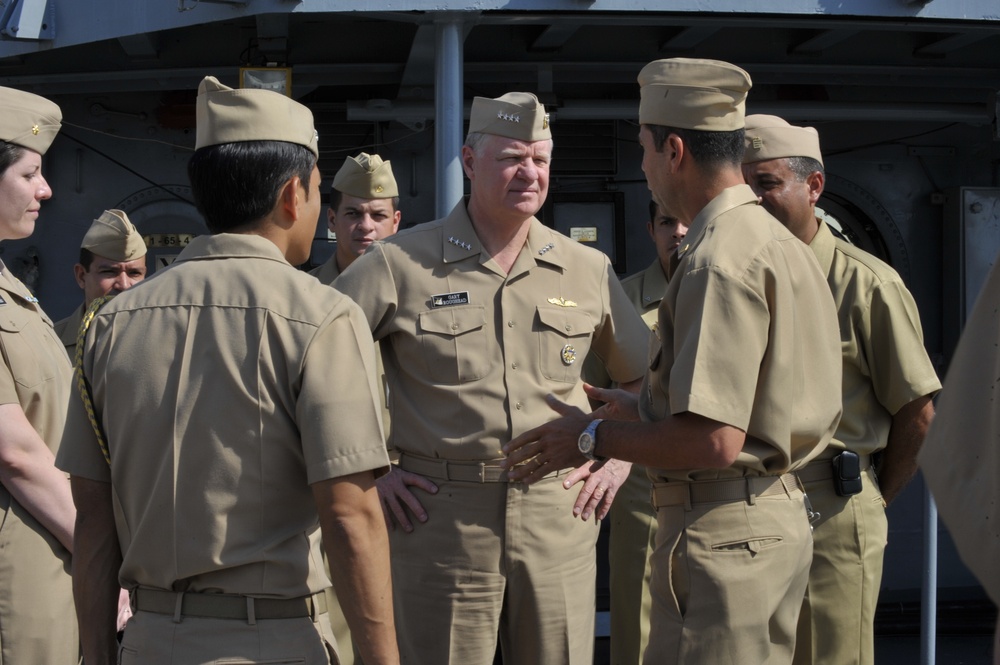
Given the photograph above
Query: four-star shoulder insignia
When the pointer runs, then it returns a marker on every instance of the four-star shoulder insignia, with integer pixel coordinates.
(459, 243)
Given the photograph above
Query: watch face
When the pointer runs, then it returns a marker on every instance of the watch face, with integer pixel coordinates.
(586, 443)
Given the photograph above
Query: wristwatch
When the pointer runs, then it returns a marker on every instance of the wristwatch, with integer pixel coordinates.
(588, 441)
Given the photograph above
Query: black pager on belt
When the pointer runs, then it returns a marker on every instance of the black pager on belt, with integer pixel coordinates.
(847, 474)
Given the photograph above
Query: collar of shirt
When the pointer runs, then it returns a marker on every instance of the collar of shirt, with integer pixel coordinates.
(727, 199)
(230, 245)
(823, 246)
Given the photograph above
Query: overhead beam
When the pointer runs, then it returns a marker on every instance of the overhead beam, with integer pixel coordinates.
(689, 37)
(554, 36)
(823, 41)
(951, 43)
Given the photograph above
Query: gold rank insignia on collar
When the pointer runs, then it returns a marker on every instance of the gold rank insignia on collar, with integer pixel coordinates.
(545, 249)
(509, 117)
(681, 251)
(459, 243)
(35, 129)
(562, 302)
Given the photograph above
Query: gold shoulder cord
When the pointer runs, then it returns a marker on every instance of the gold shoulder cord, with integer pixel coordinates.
(81, 381)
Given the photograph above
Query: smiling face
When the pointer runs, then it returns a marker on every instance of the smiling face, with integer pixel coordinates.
(790, 198)
(358, 223)
(22, 190)
(510, 178)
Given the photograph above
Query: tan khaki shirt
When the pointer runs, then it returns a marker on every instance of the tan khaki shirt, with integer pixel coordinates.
(645, 291)
(216, 383)
(884, 361)
(748, 337)
(960, 458)
(67, 330)
(470, 352)
(35, 372)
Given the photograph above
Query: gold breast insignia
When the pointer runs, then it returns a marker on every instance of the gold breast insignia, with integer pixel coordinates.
(562, 302)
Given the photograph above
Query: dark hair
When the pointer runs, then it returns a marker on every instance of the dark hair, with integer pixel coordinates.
(802, 167)
(86, 258)
(336, 196)
(709, 149)
(237, 184)
(653, 209)
(9, 153)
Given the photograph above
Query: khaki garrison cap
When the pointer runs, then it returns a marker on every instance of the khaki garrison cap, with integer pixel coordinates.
(707, 95)
(28, 120)
(770, 137)
(516, 115)
(113, 236)
(225, 115)
(366, 177)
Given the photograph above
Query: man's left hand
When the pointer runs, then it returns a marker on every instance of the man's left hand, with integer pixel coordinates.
(601, 483)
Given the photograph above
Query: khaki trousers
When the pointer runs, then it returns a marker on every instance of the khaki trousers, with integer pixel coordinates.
(155, 639)
(633, 534)
(838, 612)
(37, 617)
(495, 559)
(728, 581)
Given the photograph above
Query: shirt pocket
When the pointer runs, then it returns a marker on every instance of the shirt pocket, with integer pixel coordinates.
(453, 344)
(563, 341)
(25, 346)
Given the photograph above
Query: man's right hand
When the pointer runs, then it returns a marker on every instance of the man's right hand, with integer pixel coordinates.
(395, 496)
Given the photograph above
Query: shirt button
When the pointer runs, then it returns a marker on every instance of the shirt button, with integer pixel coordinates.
(510, 324)
(454, 326)
(513, 365)
(568, 328)
(518, 406)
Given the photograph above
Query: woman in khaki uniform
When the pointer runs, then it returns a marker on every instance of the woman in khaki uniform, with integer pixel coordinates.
(37, 623)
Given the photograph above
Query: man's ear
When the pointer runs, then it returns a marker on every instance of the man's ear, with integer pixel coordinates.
(289, 197)
(396, 217)
(79, 271)
(331, 215)
(674, 152)
(815, 182)
(468, 162)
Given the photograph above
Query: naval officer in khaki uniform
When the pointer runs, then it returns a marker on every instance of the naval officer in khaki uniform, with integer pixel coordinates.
(888, 384)
(36, 524)
(960, 458)
(112, 258)
(364, 207)
(223, 455)
(743, 388)
(479, 315)
(633, 521)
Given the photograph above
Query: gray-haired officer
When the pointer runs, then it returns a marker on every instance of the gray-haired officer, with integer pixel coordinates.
(112, 258)
(479, 316)
(888, 382)
(223, 455)
(364, 208)
(743, 388)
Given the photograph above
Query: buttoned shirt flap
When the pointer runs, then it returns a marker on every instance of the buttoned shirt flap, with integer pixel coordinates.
(454, 340)
(29, 353)
(563, 339)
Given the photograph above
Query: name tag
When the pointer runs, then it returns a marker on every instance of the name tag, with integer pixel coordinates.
(448, 299)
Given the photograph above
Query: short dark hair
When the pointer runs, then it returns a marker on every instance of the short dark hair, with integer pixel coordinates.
(237, 184)
(336, 196)
(9, 153)
(708, 148)
(86, 258)
(653, 209)
(802, 167)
